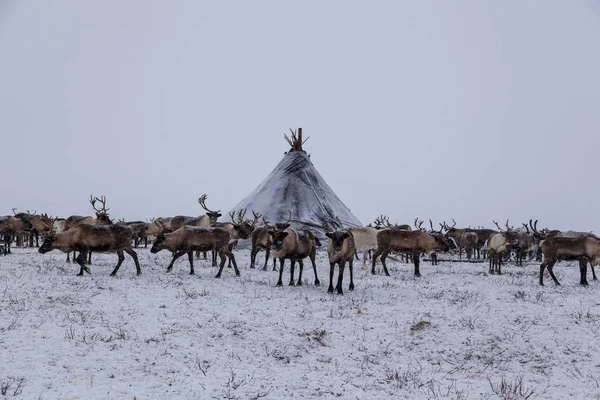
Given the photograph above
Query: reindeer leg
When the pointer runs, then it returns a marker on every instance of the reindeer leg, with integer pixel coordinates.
(191, 260)
(274, 265)
(301, 267)
(280, 281)
(314, 265)
(121, 259)
(136, 261)
(340, 277)
(374, 259)
(253, 254)
(593, 272)
(583, 271)
(350, 266)
(175, 257)
(331, 268)
(89, 261)
(268, 252)
(222, 255)
(214, 258)
(81, 261)
(383, 257)
(68, 259)
(292, 262)
(364, 263)
(232, 260)
(416, 259)
(551, 272)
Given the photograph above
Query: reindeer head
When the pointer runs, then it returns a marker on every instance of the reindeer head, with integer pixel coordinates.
(101, 213)
(213, 215)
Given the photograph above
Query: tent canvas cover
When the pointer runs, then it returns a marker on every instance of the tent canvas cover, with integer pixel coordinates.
(295, 186)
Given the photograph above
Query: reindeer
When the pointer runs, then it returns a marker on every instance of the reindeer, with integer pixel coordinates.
(188, 239)
(242, 229)
(139, 228)
(151, 230)
(584, 249)
(549, 234)
(498, 247)
(86, 238)
(413, 242)
(295, 246)
(102, 218)
(365, 239)
(340, 250)
(261, 240)
(465, 238)
(12, 226)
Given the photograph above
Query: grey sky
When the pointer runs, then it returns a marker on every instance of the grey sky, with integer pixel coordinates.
(473, 110)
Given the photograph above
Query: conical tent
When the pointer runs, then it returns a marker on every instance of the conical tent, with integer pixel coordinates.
(295, 186)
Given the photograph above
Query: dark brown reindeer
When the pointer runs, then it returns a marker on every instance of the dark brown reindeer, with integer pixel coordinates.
(465, 238)
(294, 246)
(551, 234)
(240, 229)
(188, 239)
(340, 250)
(10, 227)
(261, 240)
(102, 218)
(206, 220)
(412, 242)
(85, 238)
(583, 249)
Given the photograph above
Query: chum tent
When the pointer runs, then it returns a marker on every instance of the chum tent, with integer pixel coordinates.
(295, 187)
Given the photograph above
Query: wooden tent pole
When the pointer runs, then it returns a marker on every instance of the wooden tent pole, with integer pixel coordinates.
(299, 144)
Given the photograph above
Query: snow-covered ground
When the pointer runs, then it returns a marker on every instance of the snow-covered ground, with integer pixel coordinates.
(455, 333)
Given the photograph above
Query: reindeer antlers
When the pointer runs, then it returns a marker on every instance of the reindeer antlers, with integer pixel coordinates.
(102, 200)
(325, 226)
(382, 220)
(202, 201)
(256, 217)
(508, 228)
(419, 224)
(49, 221)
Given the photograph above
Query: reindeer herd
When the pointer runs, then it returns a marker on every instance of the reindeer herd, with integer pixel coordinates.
(186, 235)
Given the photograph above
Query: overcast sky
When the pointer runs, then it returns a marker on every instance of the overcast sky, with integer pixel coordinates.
(472, 110)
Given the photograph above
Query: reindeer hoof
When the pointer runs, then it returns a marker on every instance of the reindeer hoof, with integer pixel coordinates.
(317, 283)
(237, 273)
(191, 272)
(351, 287)
(418, 275)
(113, 274)
(217, 275)
(252, 267)
(299, 283)
(330, 290)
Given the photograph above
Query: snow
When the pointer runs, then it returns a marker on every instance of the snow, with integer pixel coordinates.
(457, 332)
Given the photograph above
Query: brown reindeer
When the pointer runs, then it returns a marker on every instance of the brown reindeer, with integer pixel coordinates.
(102, 218)
(12, 226)
(261, 240)
(294, 246)
(583, 249)
(549, 234)
(465, 238)
(188, 239)
(86, 238)
(240, 229)
(340, 249)
(412, 242)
